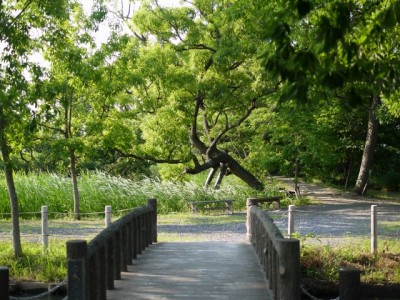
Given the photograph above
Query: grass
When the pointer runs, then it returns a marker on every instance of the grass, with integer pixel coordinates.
(35, 265)
(98, 190)
(321, 263)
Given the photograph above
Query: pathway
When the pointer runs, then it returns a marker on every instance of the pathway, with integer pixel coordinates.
(338, 215)
(194, 270)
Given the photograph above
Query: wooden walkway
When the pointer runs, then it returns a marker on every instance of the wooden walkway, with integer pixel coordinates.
(194, 270)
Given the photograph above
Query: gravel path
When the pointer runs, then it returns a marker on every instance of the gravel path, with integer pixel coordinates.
(340, 214)
(337, 216)
(204, 231)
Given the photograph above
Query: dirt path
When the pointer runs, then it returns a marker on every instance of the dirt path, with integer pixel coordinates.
(340, 214)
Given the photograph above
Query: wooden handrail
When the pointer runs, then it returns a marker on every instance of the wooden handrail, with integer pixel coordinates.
(93, 267)
(280, 257)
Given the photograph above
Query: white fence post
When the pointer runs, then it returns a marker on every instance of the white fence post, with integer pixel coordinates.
(374, 232)
(291, 220)
(107, 212)
(45, 228)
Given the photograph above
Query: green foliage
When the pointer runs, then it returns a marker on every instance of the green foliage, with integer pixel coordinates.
(99, 189)
(35, 265)
(322, 263)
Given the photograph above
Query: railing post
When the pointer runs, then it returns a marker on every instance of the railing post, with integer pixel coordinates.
(4, 283)
(139, 235)
(107, 215)
(142, 233)
(76, 256)
(349, 283)
(249, 203)
(291, 212)
(117, 255)
(135, 237)
(374, 226)
(45, 228)
(110, 263)
(153, 203)
(124, 249)
(289, 269)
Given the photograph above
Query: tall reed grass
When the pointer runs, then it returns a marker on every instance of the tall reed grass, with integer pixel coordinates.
(98, 189)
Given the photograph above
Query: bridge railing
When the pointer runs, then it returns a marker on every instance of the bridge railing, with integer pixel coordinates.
(93, 267)
(279, 256)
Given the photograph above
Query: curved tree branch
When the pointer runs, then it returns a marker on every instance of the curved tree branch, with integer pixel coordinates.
(212, 163)
(236, 124)
(149, 158)
(194, 138)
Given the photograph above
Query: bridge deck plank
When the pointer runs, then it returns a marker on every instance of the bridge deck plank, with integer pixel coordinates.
(194, 270)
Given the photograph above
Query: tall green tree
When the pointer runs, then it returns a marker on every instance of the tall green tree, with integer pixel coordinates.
(200, 81)
(66, 103)
(341, 48)
(21, 29)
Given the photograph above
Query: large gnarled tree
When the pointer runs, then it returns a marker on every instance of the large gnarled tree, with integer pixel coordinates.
(200, 81)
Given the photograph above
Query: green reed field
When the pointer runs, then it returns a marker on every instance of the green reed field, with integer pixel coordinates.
(98, 190)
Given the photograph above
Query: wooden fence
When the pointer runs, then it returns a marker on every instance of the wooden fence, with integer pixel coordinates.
(280, 257)
(93, 267)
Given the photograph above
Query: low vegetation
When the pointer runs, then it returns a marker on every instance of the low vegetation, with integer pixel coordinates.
(35, 265)
(320, 263)
(98, 190)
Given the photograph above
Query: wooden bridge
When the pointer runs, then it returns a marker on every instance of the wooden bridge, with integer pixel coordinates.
(194, 270)
(110, 266)
(125, 261)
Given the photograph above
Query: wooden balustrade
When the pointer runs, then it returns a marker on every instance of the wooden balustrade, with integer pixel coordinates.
(93, 267)
(280, 257)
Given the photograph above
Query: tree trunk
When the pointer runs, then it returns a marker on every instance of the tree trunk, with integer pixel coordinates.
(12, 194)
(210, 177)
(241, 172)
(74, 184)
(296, 177)
(220, 157)
(369, 149)
(222, 172)
(215, 156)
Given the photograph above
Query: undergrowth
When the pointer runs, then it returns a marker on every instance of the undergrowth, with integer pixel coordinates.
(99, 189)
(34, 264)
(321, 263)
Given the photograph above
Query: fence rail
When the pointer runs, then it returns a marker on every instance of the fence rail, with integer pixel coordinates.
(279, 256)
(93, 267)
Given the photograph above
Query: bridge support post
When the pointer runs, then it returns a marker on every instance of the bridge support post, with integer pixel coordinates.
(349, 283)
(289, 269)
(4, 283)
(249, 203)
(153, 203)
(77, 273)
